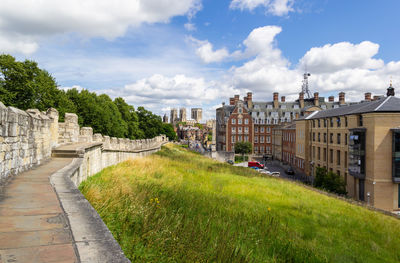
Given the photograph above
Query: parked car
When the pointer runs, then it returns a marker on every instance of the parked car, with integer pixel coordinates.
(255, 164)
(276, 174)
(289, 171)
(230, 162)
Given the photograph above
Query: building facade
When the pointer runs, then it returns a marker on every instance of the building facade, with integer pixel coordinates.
(359, 142)
(182, 114)
(174, 116)
(197, 114)
(264, 118)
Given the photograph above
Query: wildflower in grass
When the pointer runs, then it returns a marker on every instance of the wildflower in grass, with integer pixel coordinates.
(151, 200)
(269, 209)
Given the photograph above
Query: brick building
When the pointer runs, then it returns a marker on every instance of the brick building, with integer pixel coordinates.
(289, 144)
(258, 119)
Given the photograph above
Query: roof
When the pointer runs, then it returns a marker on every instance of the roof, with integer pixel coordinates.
(384, 104)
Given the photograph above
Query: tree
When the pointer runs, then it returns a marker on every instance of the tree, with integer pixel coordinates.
(329, 181)
(243, 148)
(168, 130)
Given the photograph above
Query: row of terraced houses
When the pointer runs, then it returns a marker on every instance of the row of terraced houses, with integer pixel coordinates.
(359, 141)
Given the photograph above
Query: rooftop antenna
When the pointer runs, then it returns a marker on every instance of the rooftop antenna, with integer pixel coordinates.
(304, 87)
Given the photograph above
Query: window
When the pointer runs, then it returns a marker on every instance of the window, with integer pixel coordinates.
(262, 149)
(262, 129)
(338, 138)
(239, 138)
(240, 110)
(331, 138)
(268, 130)
(233, 121)
(246, 121)
(331, 156)
(331, 120)
(324, 137)
(239, 121)
(338, 172)
(233, 139)
(261, 139)
(319, 123)
(233, 129)
(338, 157)
(246, 129)
(313, 151)
(345, 159)
(239, 129)
(256, 149)
(324, 123)
(313, 136)
(319, 153)
(256, 139)
(357, 153)
(256, 129)
(324, 154)
(338, 122)
(268, 139)
(360, 120)
(345, 138)
(246, 138)
(319, 137)
(345, 121)
(313, 123)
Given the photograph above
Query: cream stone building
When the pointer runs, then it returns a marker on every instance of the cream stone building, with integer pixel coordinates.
(359, 142)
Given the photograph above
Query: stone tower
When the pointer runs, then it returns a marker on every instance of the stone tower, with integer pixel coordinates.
(182, 114)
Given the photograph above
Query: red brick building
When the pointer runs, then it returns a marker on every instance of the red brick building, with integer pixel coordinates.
(289, 144)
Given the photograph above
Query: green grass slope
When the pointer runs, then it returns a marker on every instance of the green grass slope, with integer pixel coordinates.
(177, 206)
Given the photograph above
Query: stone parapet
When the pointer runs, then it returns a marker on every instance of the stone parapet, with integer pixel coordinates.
(28, 137)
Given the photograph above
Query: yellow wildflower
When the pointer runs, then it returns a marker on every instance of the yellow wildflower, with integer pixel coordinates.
(269, 209)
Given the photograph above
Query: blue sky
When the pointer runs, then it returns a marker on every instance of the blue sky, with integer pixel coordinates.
(182, 53)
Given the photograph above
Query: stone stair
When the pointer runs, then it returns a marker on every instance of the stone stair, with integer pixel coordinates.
(60, 153)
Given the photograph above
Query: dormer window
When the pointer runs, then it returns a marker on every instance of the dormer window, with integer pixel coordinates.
(240, 110)
(296, 107)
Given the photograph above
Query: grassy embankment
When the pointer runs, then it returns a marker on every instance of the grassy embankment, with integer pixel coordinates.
(177, 206)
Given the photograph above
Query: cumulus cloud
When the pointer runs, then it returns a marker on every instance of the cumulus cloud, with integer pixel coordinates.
(91, 18)
(340, 56)
(159, 92)
(274, 7)
(206, 52)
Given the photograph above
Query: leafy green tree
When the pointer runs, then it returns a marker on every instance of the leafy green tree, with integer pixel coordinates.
(329, 181)
(130, 116)
(168, 130)
(243, 148)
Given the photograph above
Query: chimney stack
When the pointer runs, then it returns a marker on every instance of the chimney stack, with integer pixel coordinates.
(301, 99)
(316, 99)
(276, 103)
(236, 98)
(341, 98)
(282, 98)
(231, 101)
(331, 98)
(249, 100)
(376, 97)
(390, 90)
(367, 96)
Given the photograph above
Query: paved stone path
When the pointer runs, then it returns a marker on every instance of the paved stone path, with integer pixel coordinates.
(33, 226)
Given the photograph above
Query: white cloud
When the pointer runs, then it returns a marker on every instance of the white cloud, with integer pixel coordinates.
(274, 7)
(340, 56)
(206, 52)
(190, 27)
(90, 18)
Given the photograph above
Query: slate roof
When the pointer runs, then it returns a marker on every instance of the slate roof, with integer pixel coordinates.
(384, 104)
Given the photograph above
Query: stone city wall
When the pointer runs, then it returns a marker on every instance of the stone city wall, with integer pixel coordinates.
(28, 137)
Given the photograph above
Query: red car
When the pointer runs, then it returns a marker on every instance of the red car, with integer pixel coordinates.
(255, 164)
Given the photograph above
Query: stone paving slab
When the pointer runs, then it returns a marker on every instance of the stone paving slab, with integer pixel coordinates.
(33, 226)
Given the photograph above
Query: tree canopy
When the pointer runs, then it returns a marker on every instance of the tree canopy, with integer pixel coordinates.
(243, 147)
(25, 86)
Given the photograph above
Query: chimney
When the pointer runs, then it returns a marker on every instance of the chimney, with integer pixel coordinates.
(316, 99)
(301, 99)
(276, 103)
(341, 98)
(236, 99)
(249, 100)
(390, 90)
(331, 98)
(282, 98)
(231, 101)
(376, 97)
(367, 96)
